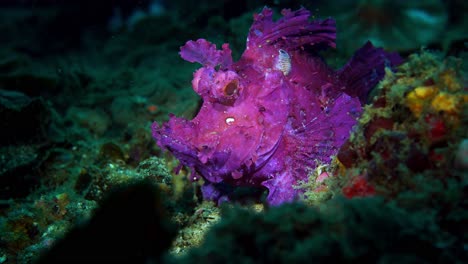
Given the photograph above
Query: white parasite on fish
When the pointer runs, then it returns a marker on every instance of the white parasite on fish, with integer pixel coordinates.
(283, 62)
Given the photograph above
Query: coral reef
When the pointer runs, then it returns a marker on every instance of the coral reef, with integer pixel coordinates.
(411, 131)
(129, 226)
(356, 230)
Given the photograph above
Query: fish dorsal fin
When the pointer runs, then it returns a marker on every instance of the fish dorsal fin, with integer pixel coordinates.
(292, 31)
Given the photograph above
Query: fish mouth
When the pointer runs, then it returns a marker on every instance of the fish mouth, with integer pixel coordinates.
(176, 136)
(208, 159)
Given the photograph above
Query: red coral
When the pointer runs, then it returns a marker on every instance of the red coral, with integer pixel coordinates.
(359, 188)
(437, 128)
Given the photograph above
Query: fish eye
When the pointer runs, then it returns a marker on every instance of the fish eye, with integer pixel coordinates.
(231, 88)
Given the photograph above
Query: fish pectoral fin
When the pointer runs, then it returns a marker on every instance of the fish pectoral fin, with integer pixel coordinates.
(281, 189)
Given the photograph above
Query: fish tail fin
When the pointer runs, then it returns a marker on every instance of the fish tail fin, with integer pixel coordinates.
(365, 69)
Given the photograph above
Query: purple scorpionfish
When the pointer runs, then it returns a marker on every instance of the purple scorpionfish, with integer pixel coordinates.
(278, 112)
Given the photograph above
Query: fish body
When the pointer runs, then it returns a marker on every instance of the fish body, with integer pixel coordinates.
(274, 114)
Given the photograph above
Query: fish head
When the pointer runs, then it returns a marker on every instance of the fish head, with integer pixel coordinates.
(239, 124)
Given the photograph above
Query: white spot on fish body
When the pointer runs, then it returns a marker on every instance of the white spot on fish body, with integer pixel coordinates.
(230, 120)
